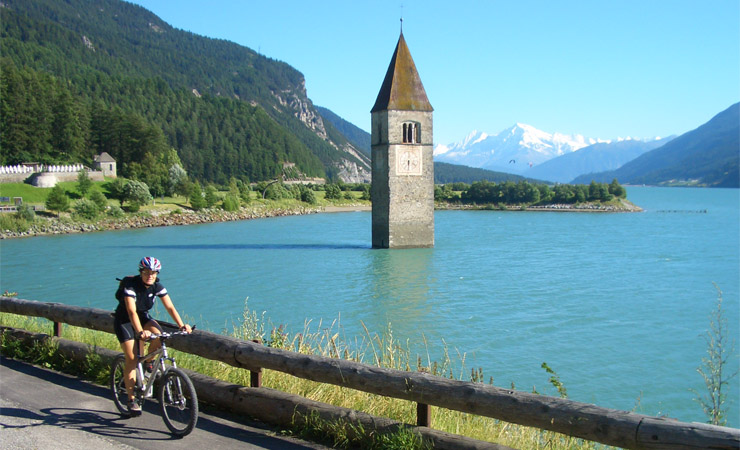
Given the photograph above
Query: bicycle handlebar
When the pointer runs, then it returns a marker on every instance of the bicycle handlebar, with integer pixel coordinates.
(166, 335)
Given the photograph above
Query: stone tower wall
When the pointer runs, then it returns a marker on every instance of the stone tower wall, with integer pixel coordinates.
(403, 200)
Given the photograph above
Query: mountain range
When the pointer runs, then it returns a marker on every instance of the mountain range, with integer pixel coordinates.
(513, 150)
(599, 157)
(707, 156)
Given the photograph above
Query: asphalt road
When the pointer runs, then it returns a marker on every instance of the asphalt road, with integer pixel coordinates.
(44, 409)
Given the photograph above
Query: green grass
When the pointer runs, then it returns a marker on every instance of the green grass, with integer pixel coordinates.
(379, 349)
(37, 196)
(30, 194)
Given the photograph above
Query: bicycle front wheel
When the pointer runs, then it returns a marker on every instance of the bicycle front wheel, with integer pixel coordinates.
(178, 401)
(118, 386)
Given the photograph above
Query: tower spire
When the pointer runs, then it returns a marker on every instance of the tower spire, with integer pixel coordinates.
(402, 88)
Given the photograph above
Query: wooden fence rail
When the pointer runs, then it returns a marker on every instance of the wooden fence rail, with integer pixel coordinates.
(581, 420)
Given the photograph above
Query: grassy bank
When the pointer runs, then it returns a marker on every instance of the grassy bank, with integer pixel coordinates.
(379, 349)
(162, 211)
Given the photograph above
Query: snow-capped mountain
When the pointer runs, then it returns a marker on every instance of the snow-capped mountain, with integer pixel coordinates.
(513, 150)
(594, 158)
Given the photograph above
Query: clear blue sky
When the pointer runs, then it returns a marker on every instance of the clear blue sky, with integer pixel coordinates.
(599, 68)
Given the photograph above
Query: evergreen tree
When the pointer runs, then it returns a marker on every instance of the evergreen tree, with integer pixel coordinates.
(117, 189)
(211, 196)
(84, 183)
(57, 200)
(197, 201)
(616, 189)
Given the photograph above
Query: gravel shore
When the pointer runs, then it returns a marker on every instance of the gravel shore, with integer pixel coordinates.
(52, 226)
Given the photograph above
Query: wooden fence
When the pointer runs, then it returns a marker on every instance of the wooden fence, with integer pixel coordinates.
(607, 426)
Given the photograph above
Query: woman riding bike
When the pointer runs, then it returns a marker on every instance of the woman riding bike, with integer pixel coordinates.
(136, 296)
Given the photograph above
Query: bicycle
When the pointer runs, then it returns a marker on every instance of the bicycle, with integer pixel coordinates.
(176, 394)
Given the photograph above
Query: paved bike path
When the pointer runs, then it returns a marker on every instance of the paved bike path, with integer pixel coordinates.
(42, 409)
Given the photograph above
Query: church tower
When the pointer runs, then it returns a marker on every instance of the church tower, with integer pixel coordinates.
(402, 165)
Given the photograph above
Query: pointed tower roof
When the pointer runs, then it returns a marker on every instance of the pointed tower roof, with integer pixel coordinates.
(402, 88)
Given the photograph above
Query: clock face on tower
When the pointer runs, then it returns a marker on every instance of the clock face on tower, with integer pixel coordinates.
(409, 162)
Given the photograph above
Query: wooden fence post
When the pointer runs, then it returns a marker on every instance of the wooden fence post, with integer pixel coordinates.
(423, 415)
(255, 376)
(423, 411)
(57, 329)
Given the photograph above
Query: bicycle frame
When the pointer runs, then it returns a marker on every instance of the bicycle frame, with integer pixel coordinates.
(159, 357)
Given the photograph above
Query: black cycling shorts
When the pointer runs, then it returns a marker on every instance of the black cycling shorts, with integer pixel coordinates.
(125, 330)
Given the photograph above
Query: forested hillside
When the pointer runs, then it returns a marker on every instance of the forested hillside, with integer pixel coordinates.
(454, 173)
(84, 76)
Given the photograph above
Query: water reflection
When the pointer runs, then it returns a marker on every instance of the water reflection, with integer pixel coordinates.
(400, 285)
(321, 246)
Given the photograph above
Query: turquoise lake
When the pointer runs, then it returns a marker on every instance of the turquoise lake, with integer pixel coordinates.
(617, 304)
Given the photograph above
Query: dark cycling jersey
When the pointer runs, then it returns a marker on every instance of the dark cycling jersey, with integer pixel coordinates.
(145, 296)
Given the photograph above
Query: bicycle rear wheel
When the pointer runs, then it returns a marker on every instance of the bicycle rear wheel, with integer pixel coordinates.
(178, 401)
(118, 386)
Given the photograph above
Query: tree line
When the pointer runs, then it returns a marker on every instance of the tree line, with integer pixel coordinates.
(526, 193)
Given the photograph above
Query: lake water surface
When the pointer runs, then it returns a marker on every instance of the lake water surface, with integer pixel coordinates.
(617, 304)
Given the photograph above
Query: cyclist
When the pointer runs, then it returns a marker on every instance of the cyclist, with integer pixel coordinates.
(136, 296)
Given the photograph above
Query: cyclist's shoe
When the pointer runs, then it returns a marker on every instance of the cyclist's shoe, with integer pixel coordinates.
(134, 408)
(148, 366)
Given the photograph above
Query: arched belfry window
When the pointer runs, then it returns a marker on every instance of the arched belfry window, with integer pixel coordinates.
(411, 133)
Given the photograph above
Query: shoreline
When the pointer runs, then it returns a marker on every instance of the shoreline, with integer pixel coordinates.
(625, 206)
(55, 226)
(50, 227)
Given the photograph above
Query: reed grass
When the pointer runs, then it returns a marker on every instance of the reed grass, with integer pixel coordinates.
(380, 349)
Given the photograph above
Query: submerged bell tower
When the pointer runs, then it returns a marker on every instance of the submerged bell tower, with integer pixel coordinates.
(402, 164)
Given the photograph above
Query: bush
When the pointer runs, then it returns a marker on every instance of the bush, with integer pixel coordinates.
(86, 208)
(24, 212)
(366, 192)
(231, 203)
(245, 193)
(276, 191)
(12, 222)
(99, 199)
(137, 194)
(308, 196)
(333, 192)
(116, 211)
